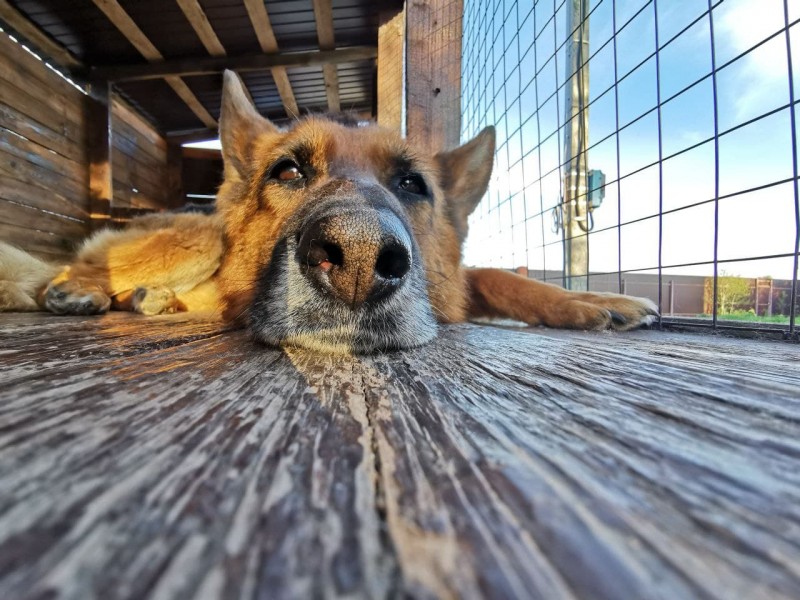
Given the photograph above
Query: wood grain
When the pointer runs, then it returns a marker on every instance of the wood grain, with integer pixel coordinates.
(391, 56)
(165, 457)
(31, 32)
(433, 73)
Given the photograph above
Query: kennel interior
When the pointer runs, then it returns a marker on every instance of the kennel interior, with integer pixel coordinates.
(644, 147)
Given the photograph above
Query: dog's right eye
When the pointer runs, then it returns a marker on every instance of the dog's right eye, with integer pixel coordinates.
(286, 170)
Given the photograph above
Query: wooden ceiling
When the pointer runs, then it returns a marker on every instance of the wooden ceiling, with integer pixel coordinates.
(165, 56)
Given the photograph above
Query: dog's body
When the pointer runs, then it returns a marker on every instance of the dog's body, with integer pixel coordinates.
(330, 236)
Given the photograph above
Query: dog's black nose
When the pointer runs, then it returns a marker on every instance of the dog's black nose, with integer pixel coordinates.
(358, 256)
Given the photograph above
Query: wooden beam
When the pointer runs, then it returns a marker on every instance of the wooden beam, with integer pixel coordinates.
(433, 73)
(266, 39)
(185, 136)
(122, 21)
(324, 17)
(19, 23)
(98, 148)
(199, 22)
(202, 27)
(391, 55)
(175, 175)
(216, 64)
(202, 153)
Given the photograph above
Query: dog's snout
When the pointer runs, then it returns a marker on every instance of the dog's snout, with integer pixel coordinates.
(358, 256)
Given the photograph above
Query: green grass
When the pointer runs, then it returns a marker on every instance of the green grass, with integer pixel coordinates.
(749, 316)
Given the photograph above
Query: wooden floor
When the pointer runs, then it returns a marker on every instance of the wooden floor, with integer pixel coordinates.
(164, 458)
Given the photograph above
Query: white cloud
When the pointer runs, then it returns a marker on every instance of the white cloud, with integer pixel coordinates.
(761, 76)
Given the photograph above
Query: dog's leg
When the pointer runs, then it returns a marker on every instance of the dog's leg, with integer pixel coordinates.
(143, 270)
(14, 299)
(497, 293)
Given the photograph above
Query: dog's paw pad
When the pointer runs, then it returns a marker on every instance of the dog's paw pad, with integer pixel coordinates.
(155, 301)
(76, 298)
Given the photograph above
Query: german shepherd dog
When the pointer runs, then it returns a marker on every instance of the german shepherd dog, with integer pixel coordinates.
(330, 235)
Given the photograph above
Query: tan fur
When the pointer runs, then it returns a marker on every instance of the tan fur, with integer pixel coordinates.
(174, 252)
(168, 263)
(22, 277)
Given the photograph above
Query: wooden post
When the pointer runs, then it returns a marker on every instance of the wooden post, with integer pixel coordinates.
(433, 73)
(769, 303)
(671, 297)
(391, 56)
(756, 294)
(175, 194)
(576, 201)
(98, 139)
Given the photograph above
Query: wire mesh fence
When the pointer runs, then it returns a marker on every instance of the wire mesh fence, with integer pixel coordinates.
(644, 147)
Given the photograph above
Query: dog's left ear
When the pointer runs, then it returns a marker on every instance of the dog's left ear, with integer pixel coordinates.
(464, 176)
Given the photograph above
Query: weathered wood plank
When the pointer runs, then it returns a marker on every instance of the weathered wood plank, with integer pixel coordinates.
(246, 450)
(14, 213)
(21, 155)
(15, 120)
(433, 73)
(391, 56)
(16, 189)
(13, 58)
(24, 27)
(47, 245)
(132, 121)
(162, 456)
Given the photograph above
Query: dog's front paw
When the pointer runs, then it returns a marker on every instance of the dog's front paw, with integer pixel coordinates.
(155, 301)
(619, 312)
(76, 297)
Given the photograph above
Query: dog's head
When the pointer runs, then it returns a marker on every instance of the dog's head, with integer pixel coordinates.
(339, 237)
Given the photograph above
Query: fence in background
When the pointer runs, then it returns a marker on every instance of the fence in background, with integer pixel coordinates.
(688, 108)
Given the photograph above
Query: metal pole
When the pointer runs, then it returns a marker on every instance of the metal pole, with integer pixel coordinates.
(576, 201)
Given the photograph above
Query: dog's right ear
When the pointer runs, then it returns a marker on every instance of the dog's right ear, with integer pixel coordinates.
(240, 126)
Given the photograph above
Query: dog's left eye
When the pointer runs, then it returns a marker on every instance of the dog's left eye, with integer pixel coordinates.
(286, 170)
(413, 184)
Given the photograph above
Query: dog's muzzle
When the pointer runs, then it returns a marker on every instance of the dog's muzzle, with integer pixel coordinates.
(346, 277)
(359, 256)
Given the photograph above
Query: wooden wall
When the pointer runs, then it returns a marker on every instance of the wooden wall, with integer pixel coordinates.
(139, 162)
(44, 173)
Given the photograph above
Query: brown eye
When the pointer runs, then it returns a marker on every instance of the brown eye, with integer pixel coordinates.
(413, 184)
(286, 170)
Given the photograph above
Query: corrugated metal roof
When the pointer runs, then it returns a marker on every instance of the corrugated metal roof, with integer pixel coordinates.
(86, 32)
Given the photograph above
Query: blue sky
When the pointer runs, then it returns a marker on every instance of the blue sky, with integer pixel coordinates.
(499, 36)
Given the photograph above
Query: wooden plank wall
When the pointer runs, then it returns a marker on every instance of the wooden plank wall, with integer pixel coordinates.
(139, 162)
(43, 171)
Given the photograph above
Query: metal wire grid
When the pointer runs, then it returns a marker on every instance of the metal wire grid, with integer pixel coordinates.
(501, 38)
